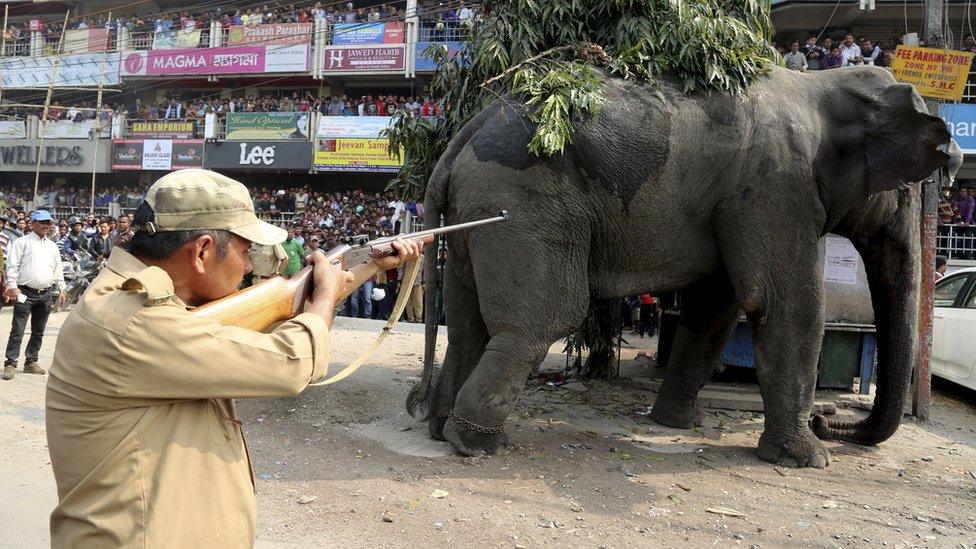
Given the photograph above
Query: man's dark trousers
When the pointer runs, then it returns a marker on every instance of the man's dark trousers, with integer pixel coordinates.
(38, 308)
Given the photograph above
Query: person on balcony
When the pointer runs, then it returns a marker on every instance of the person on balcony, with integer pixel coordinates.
(174, 109)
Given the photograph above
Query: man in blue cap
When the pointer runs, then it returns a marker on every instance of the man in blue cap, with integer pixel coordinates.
(35, 278)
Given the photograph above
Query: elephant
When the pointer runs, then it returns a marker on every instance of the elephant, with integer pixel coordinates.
(721, 197)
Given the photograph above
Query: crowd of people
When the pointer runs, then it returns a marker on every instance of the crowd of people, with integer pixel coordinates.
(370, 104)
(381, 104)
(814, 54)
(957, 206)
(431, 13)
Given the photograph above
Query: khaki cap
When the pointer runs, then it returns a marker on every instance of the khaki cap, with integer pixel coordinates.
(194, 199)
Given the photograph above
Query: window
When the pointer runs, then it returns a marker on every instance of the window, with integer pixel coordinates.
(971, 302)
(948, 289)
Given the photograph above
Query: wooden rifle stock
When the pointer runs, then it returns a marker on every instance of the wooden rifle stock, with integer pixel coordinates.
(278, 299)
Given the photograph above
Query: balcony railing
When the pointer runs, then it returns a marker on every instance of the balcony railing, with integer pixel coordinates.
(445, 32)
(20, 48)
(956, 241)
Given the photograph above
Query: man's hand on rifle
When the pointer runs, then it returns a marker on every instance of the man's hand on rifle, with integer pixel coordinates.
(329, 282)
(406, 249)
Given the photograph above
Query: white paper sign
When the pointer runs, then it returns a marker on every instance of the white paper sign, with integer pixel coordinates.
(157, 154)
(841, 261)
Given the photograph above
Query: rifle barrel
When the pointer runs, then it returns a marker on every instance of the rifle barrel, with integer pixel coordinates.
(502, 216)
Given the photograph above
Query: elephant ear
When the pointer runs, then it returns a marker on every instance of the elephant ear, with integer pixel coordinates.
(903, 140)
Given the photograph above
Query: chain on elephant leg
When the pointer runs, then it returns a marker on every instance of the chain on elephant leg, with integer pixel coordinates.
(473, 439)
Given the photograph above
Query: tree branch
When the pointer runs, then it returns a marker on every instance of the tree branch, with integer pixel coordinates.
(534, 58)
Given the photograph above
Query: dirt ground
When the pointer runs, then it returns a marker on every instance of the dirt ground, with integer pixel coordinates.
(344, 465)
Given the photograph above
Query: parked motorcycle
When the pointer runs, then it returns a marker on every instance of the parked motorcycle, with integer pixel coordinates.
(84, 268)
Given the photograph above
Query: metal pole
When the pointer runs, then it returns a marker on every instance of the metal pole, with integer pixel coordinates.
(98, 119)
(47, 103)
(922, 376)
(3, 47)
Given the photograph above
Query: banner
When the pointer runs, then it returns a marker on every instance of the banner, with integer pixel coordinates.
(940, 74)
(206, 61)
(354, 155)
(267, 125)
(157, 154)
(85, 69)
(66, 129)
(165, 40)
(368, 127)
(188, 38)
(364, 59)
(259, 155)
(960, 118)
(13, 129)
(276, 33)
(170, 129)
(85, 40)
(425, 62)
(56, 155)
(368, 33)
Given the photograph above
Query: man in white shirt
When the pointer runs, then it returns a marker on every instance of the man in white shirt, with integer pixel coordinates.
(850, 51)
(464, 13)
(34, 276)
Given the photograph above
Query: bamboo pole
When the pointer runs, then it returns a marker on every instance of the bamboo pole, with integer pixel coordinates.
(98, 117)
(3, 43)
(47, 103)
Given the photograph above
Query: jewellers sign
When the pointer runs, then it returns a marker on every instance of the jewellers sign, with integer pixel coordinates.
(56, 155)
(206, 61)
(259, 155)
(364, 59)
(157, 154)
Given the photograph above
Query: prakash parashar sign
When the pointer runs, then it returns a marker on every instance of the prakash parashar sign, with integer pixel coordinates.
(259, 156)
(56, 155)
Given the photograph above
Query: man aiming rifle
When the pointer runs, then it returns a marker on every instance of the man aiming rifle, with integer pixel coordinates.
(145, 442)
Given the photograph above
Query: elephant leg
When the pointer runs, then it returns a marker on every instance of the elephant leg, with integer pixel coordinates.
(466, 342)
(476, 425)
(784, 303)
(708, 315)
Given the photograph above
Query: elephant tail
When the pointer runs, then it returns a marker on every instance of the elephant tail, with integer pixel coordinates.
(435, 199)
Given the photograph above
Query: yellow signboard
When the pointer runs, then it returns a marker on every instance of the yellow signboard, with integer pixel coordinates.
(940, 74)
(354, 155)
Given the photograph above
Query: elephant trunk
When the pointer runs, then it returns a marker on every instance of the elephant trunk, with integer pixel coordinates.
(891, 257)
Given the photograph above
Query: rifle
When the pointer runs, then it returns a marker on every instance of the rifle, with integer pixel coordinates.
(278, 299)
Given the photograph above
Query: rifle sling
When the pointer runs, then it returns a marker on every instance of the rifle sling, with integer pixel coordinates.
(401, 304)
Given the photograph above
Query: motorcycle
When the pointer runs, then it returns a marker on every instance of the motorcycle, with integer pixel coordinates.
(84, 268)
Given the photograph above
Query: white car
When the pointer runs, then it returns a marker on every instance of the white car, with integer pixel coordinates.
(954, 328)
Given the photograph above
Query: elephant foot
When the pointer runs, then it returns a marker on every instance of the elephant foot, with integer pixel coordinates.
(435, 427)
(471, 442)
(677, 415)
(797, 450)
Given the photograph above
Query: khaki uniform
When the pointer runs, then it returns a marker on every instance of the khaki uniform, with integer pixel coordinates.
(144, 438)
(414, 310)
(266, 261)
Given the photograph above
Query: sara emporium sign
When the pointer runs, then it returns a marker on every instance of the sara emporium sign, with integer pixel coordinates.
(259, 155)
(157, 154)
(203, 61)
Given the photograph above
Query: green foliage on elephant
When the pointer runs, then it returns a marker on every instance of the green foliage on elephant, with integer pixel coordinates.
(551, 56)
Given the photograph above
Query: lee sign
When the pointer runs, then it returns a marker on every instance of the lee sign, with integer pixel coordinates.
(259, 155)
